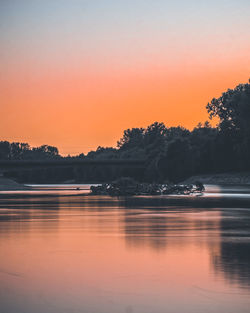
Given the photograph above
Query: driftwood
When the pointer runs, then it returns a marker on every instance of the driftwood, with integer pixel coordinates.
(129, 187)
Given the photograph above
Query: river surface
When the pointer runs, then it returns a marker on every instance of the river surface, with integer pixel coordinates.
(63, 251)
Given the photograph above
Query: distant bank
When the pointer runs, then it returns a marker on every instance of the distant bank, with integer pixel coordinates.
(239, 178)
(9, 185)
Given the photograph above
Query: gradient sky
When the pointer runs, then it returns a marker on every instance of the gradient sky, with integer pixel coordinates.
(75, 74)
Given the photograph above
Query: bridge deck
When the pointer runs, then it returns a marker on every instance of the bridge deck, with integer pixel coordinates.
(7, 165)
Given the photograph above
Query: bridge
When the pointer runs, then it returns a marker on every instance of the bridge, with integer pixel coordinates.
(64, 169)
(12, 165)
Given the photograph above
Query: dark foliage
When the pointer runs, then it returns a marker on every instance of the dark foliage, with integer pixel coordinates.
(22, 151)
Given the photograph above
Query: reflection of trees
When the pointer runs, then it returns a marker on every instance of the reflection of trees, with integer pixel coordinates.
(47, 214)
(154, 223)
(25, 214)
(146, 223)
(234, 262)
(143, 225)
(146, 230)
(233, 257)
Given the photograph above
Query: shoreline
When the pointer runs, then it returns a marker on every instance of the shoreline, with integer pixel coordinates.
(239, 178)
(7, 184)
(158, 201)
(236, 178)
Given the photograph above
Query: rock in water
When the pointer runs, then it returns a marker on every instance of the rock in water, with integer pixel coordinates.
(126, 186)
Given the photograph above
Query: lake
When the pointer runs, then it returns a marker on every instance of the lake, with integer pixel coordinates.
(64, 251)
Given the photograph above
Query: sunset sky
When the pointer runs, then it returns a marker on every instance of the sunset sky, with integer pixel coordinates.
(75, 74)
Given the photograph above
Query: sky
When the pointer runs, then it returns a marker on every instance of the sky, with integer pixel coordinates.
(75, 74)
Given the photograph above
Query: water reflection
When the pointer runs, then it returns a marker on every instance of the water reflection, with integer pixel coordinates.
(233, 261)
(97, 254)
(225, 230)
(170, 227)
(233, 258)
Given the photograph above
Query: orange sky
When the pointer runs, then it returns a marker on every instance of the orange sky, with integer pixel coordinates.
(81, 92)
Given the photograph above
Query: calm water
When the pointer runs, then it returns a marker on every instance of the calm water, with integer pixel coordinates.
(101, 255)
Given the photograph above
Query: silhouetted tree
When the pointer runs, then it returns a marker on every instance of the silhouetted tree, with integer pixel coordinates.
(233, 111)
(178, 162)
(4, 150)
(131, 138)
(202, 140)
(45, 152)
(103, 153)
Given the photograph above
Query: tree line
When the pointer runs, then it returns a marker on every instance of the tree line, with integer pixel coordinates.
(173, 153)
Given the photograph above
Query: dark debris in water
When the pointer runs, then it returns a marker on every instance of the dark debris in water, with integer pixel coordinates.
(129, 187)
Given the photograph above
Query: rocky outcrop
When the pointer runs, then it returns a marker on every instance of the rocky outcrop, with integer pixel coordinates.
(129, 187)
